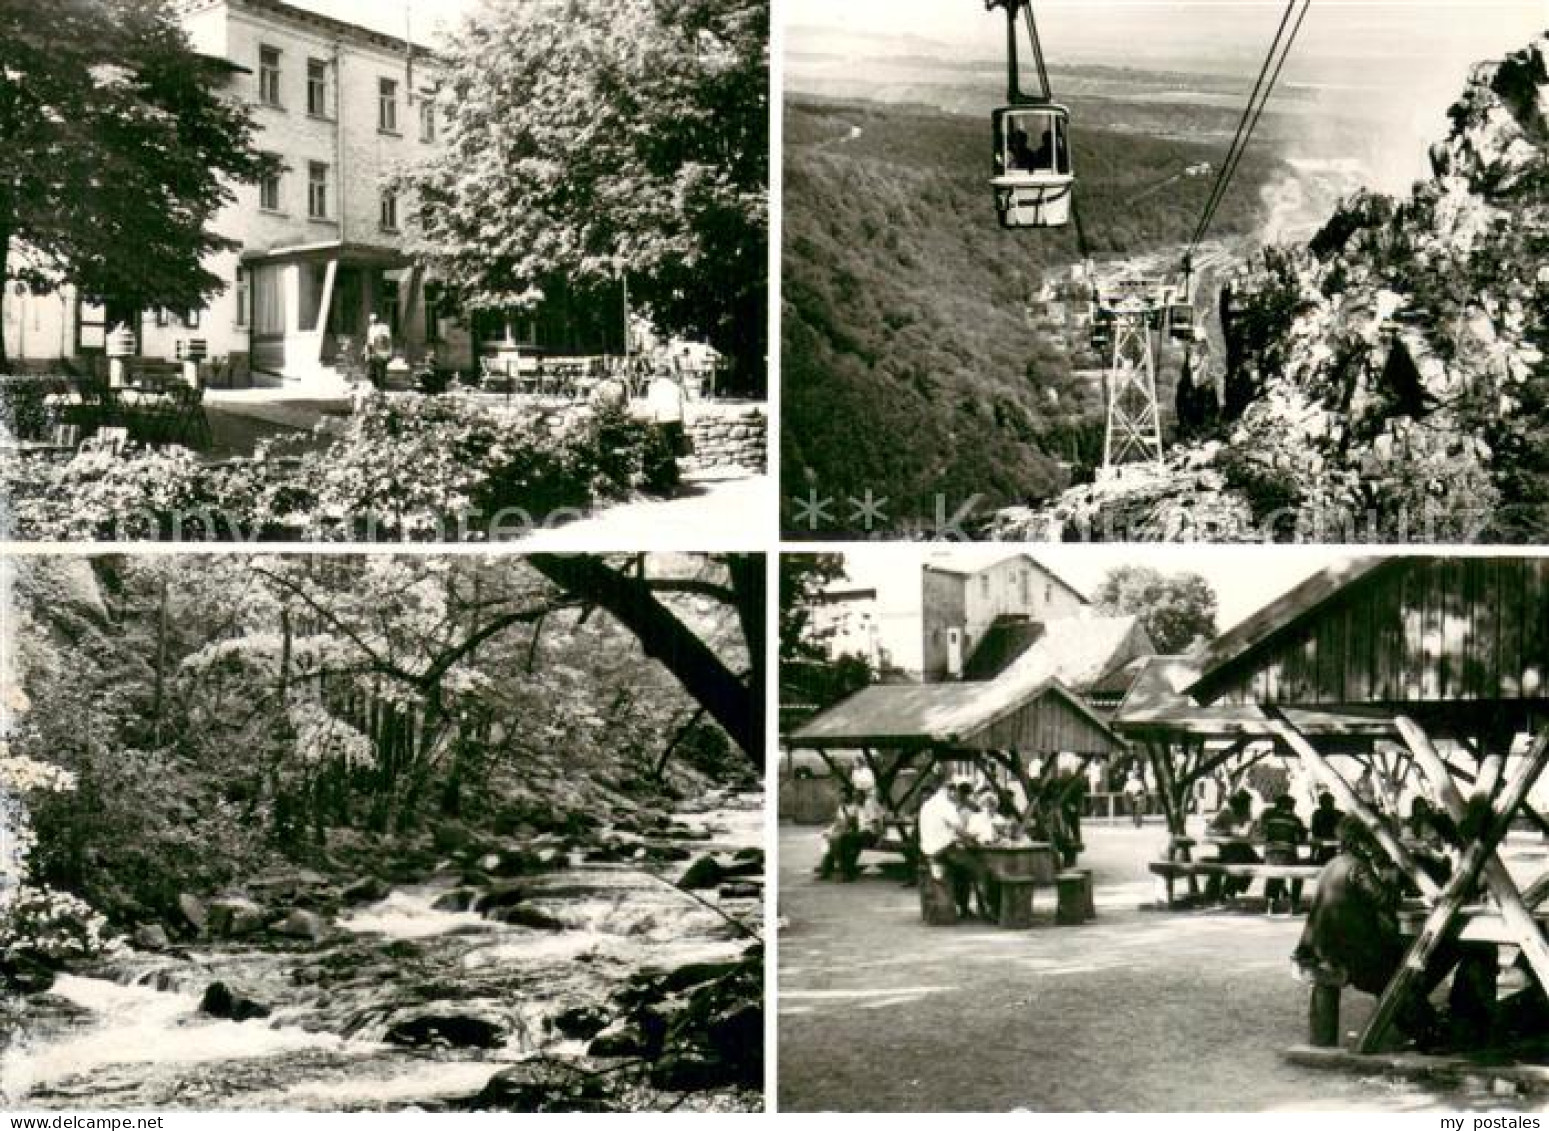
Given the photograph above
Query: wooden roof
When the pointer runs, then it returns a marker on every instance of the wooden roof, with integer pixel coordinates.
(1158, 705)
(989, 716)
(1452, 638)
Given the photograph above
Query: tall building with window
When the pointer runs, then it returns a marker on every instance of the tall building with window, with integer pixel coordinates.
(341, 107)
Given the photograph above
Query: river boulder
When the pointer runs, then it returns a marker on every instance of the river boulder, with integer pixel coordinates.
(235, 916)
(711, 871)
(545, 1084)
(151, 936)
(194, 912)
(220, 1000)
(367, 889)
(449, 1029)
(580, 1022)
(529, 917)
(300, 924)
(500, 895)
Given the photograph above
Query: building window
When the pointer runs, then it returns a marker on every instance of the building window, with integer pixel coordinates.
(269, 75)
(191, 318)
(317, 88)
(432, 312)
(427, 120)
(387, 106)
(389, 218)
(269, 186)
(160, 317)
(242, 298)
(317, 190)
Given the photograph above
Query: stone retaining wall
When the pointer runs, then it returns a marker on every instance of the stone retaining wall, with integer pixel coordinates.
(727, 436)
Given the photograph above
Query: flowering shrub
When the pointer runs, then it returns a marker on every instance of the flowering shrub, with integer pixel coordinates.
(55, 926)
(412, 469)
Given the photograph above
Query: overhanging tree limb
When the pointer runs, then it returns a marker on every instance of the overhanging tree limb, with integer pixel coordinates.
(737, 707)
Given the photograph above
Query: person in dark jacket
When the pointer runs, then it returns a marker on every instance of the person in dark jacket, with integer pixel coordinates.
(1325, 827)
(1283, 832)
(1352, 931)
(1234, 820)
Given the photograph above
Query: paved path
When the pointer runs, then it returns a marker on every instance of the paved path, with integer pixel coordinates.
(1136, 1011)
(719, 510)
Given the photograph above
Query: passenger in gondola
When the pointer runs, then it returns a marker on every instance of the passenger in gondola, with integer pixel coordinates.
(1042, 158)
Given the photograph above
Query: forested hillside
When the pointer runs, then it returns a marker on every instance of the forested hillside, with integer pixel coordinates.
(913, 366)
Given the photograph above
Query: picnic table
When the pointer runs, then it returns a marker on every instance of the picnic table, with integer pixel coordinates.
(1181, 865)
(1018, 869)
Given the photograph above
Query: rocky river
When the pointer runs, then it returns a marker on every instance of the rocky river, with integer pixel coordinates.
(624, 973)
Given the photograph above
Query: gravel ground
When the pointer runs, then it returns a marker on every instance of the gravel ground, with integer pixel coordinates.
(1139, 1010)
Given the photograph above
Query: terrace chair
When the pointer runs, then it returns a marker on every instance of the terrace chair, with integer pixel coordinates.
(112, 440)
(186, 422)
(97, 402)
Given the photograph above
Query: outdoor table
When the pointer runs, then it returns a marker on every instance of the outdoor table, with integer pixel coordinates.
(1018, 868)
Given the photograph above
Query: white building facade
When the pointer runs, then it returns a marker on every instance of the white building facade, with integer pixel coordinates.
(342, 108)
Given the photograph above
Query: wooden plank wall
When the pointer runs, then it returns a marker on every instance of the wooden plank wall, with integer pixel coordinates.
(1434, 630)
(1047, 725)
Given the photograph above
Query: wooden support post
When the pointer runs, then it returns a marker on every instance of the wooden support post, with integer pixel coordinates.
(1323, 1011)
(1437, 924)
(1514, 911)
(1016, 904)
(1342, 792)
(937, 905)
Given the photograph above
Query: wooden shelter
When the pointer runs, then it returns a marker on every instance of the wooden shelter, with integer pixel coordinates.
(900, 730)
(1453, 652)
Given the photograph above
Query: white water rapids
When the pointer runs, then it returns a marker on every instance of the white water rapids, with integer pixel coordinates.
(135, 1039)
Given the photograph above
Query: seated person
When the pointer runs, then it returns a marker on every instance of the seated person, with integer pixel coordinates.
(987, 826)
(1282, 831)
(870, 821)
(945, 841)
(1325, 827)
(1429, 834)
(1234, 820)
(1352, 932)
(841, 830)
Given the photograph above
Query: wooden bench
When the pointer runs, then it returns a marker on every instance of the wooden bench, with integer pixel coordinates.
(1170, 871)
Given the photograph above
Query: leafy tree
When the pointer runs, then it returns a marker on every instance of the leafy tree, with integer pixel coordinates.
(1175, 610)
(640, 603)
(119, 151)
(589, 142)
(215, 710)
(809, 676)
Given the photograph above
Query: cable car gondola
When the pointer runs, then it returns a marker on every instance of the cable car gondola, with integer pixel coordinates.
(1032, 180)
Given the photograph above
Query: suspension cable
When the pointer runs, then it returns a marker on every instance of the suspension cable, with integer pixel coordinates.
(1032, 34)
(1263, 86)
(1242, 124)
(1296, 27)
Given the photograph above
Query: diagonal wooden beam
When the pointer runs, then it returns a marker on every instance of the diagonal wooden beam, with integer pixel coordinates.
(1336, 784)
(1514, 912)
(1440, 920)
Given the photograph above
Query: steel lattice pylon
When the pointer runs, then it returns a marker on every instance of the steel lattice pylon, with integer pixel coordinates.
(1134, 432)
(1131, 308)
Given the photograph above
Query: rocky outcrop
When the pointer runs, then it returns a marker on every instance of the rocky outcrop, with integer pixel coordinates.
(1387, 381)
